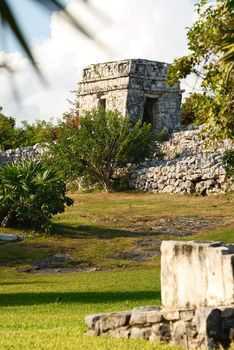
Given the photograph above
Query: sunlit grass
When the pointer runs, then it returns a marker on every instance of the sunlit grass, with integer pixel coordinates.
(93, 230)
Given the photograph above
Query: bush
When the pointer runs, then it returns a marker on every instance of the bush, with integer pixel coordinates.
(228, 163)
(30, 194)
(7, 132)
(27, 134)
(193, 109)
(95, 144)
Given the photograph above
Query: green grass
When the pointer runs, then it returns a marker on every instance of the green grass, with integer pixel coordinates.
(93, 231)
(29, 307)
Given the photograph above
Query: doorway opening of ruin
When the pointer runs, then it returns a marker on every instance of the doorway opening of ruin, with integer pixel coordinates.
(102, 103)
(150, 111)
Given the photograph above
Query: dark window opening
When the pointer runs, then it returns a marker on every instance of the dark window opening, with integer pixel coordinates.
(150, 110)
(102, 103)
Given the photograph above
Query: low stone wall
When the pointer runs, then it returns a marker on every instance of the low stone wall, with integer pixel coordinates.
(21, 153)
(191, 328)
(188, 167)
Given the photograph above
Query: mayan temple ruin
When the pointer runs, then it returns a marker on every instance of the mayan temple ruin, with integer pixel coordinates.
(136, 87)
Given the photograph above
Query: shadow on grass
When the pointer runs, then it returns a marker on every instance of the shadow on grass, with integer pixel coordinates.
(24, 282)
(86, 231)
(20, 299)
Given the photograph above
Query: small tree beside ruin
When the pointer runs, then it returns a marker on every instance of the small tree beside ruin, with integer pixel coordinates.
(95, 144)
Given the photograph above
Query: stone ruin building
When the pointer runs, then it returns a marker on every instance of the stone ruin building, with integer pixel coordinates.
(197, 290)
(136, 87)
(139, 90)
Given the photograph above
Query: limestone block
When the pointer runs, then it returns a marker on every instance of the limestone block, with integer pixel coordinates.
(137, 333)
(142, 317)
(114, 320)
(196, 274)
(91, 320)
(186, 315)
(171, 315)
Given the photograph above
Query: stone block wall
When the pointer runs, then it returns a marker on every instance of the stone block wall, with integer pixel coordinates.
(21, 153)
(200, 328)
(188, 166)
(115, 100)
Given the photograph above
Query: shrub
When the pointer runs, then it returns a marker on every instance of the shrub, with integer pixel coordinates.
(228, 163)
(30, 193)
(7, 132)
(95, 144)
(193, 109)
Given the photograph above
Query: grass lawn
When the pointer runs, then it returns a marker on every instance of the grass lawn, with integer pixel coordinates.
(119, 234)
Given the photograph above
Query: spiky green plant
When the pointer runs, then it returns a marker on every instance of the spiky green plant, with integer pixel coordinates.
(30, 193)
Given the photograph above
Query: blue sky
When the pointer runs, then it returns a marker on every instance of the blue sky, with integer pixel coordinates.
(150, 29)
(34, 21)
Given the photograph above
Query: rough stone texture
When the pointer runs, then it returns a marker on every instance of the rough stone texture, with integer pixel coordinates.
(137, 88)
(198, 300)
(209, 267)
(188, 166)
(22, 153)
(202, 327)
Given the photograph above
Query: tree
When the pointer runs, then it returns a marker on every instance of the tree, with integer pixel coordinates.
(210, 41)
(96, 143)
(7, 132)
(38, 132)
(12, 136)
(226, 43)
(30, 193)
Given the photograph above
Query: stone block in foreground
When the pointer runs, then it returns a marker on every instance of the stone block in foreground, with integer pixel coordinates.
(197, 274)
(197, 295)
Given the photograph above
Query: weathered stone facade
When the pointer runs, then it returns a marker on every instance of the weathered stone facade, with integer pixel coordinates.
(198, 300)
(196, 274)
(137, 88)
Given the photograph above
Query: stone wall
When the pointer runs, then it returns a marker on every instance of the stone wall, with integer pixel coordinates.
(188, 166)
(197, 288)
(200, 328)
(21, 153)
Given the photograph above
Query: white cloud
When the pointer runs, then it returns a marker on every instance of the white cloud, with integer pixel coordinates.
(153, 29)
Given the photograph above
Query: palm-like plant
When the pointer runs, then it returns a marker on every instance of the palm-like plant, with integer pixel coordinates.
(30, 194)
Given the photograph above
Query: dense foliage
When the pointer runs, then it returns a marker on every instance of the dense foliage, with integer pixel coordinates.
(30, 194)
(38, 132)
(12, 136)
(211, 45)
(228, 162)
(7, 132)
(94, 144)
(193, 109)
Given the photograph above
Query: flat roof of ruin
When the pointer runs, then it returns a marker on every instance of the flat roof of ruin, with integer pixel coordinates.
(135, 67)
